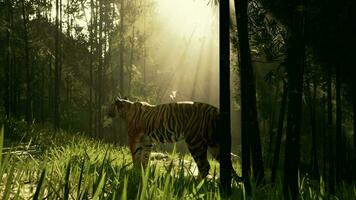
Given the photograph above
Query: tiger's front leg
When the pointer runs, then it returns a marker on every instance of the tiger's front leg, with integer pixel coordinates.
(146, 144)
(140, 149)
(135, 150)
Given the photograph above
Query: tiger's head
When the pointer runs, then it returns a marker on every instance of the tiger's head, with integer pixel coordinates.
(120, 106)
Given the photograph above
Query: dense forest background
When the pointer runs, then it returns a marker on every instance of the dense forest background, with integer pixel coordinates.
(292, 82)
(145, 58)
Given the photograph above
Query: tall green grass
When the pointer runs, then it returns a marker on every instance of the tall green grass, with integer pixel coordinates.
(75, 167)
(71, 166)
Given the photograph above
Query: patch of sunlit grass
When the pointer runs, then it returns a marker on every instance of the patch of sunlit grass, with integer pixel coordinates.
(76, 167)
(83, 168)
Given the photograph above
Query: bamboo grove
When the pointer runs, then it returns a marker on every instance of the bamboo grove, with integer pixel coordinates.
(291, 98)
(47, 44)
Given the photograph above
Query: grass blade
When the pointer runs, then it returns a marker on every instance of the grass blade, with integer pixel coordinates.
(100, 187)
(39, 185)
(166, 191)
(8, 183)
(80, 178)
(124, 190)
(66, 183)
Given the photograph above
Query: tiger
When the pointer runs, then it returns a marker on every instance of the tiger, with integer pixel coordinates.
(194, 122)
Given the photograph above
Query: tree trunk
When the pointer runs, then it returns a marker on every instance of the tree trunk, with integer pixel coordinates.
(295, 69)
(324, 133)
(15, 85)
(331, 135)
(122, 40)
(29, 109)
(311, 98)
(60, 61)
(108, 46)
(129, 69)
(68, 18)
(95, 78)
(113, 92)
(314, 154)
(8, 94)
(272, 129)
(91, 44)
(100, 68)
(354, 120)
(339, 153)
(144, 46)
(69, 27)
(225, 126)
(14, 82)
(50, 88)
(57, 80)
(250, 133)
(42, 104)
(279, 132)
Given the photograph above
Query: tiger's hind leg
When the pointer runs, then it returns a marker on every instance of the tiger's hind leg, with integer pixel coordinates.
(214, 150)
(199, 152)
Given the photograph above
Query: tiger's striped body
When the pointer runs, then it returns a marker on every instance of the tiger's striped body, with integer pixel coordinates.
(190, 121)
(196, 121)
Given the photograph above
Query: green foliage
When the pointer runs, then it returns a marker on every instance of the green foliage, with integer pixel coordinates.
(72, 166)
(84, 168)
(80, 58)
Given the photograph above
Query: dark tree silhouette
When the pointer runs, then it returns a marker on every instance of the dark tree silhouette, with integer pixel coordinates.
(100, 68)
(29, 109)
(281, 118)
(124, 137)
(225, 127)
(129, 68)
(324, 133)
(354, 120)
(122, 37)
(57, 70)
(339, 152)
(340, 145)
(250, 135)
(100, 57)
(8, 92)
(312, 105)
(91, 67)
(331, 174)
(295, 62)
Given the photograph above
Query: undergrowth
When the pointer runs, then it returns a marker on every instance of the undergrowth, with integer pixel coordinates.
(61, 165)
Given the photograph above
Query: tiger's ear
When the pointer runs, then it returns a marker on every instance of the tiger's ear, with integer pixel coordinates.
(121, 102)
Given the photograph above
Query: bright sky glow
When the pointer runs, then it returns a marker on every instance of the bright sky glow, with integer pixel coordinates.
(184, 42)
(187, 15)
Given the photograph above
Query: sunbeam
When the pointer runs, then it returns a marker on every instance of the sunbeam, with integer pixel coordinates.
(185, 45)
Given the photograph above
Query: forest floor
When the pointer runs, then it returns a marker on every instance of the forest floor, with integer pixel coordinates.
(44, 164)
